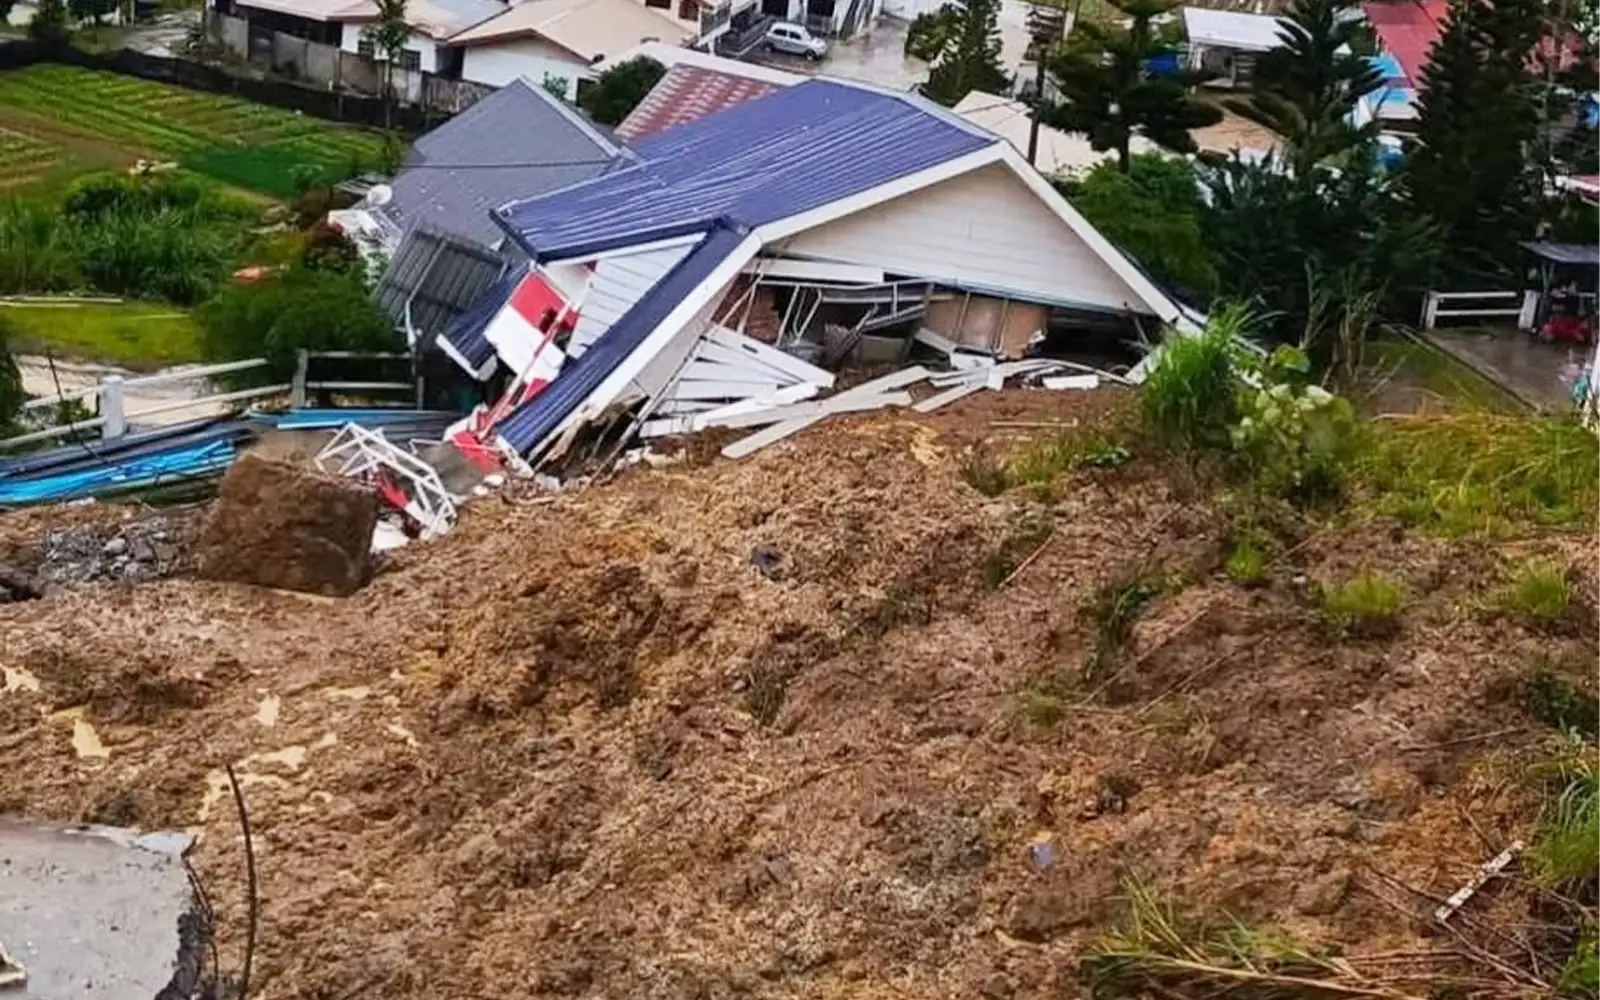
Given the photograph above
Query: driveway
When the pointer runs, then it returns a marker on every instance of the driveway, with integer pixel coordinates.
(877, 54)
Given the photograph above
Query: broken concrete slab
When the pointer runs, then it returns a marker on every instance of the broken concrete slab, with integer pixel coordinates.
(98, 912)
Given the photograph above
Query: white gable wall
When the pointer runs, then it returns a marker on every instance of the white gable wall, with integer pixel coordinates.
(983, 230)
(497, 63)
(617, 283)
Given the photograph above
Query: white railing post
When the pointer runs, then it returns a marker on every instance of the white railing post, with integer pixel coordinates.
(112, 409)
(1430, 307)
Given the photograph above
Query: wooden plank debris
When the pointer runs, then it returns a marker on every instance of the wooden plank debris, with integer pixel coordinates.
(1485, 872)
(880, 391)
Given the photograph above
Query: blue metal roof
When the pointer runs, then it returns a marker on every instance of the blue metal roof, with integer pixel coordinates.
(466, 335)
(529, 423)
(767, 159)
(1387, 65)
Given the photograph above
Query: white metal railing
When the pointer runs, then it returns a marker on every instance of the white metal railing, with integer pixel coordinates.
(110, 395)
(1434, 303)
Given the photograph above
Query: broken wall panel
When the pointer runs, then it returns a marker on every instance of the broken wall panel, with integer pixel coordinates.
(990, 325)
(616, 285)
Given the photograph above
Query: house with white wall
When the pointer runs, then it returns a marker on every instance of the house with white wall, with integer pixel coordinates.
(560, 40)
(344, 23)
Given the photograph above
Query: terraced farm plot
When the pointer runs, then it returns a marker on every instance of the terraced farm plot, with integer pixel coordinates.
(25, 158)
(251, 145)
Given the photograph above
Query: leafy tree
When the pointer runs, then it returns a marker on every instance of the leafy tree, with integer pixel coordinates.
(1472, 172)
(49, 24)
(1154, 213)
(970, 58)
(931, 31)
(303, 308)
(1108, 92)
(5, 10)
(1307, 89)
(619, 89)
(388, 36)
(1336, 236)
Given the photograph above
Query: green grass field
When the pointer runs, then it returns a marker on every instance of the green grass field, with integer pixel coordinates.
(48, 113)
(137, 335)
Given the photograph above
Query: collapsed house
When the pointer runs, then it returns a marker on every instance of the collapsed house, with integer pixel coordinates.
(733, 260)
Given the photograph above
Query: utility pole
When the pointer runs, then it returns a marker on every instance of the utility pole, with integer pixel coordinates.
(1046, 25)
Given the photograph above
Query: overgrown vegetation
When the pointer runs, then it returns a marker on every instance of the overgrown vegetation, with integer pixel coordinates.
(1480, 473)
(1038, 462)
(293, 309)
(1367, 605)
(1566, 842)
(1553, 697)
(1153, 211)
(1190, 399)
(163, 237)
(137, 335)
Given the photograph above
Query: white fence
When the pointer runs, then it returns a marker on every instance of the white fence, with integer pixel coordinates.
(110, 395)
(1460, 305)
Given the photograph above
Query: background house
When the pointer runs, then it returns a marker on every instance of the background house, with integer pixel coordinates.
(517, 142)
(696, 84)
(341, 23)
(560, 40)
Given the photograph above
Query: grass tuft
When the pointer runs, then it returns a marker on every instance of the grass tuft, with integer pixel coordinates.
(1480, 473)
(1368, 605)
(1538, 594)
(1189, 399)
(1158, 953)
(1558, 702)
(986, 475)
(1566, 840)
(1247, 560)
(1113, 608)
(1043, 709)
(1037, 463)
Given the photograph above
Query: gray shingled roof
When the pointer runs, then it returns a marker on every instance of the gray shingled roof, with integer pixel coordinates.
(516, 143)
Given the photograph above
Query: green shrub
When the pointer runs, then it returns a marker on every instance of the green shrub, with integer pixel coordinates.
(1368, 605)
(289, 311)
(1295, 438)
(1539, 594)
(1190, 398)
(1153, 212)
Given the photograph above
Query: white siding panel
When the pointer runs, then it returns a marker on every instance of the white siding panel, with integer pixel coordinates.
(984, 229)
(617, 283)
(499, 63)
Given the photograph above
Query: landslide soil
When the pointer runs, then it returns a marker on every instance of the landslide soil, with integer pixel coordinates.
(759, 729)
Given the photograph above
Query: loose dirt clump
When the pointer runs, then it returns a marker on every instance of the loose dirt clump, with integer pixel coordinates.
(597, 747)
(279, 525)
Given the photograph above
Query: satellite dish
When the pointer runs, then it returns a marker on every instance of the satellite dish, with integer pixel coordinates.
(378, 194)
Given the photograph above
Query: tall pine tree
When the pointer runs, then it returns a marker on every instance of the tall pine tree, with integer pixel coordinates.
(1474, 172)
(971, 57)
(1307, 89)
(1109, 92)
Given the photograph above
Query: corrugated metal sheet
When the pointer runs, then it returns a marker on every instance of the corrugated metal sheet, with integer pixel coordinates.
(764, 160)
(69, 457)
(687, 94)
(1574, 254)
(441, 276)
(530, 423)
(1407, 31)
(518, 142)
(617, 285)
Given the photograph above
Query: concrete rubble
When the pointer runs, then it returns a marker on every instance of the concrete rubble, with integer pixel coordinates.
(89, 911)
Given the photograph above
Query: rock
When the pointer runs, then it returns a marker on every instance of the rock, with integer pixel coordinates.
(768, 561)
(116, 547)
(277, 525)
(142, 551)
(1323, 895)
(998, 987)
(1073, 897)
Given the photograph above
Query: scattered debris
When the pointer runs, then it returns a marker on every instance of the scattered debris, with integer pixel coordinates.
(1488, 870)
